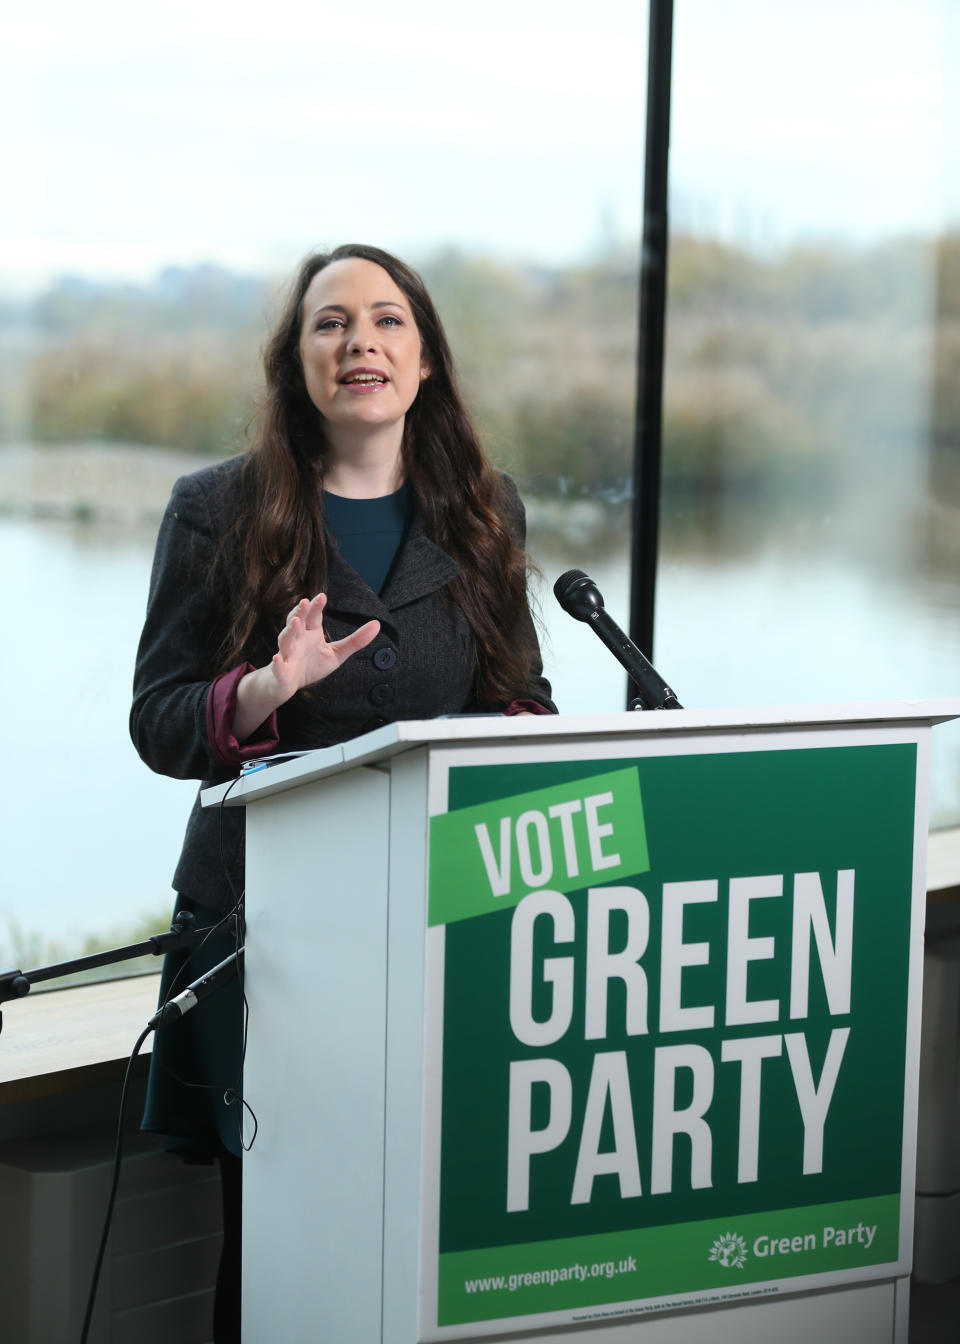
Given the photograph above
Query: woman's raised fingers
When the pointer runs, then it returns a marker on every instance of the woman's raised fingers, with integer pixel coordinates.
(359, 639)
(313, 617)
(298, 610)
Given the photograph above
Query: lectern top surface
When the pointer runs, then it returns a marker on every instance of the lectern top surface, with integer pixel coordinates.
(404, 736)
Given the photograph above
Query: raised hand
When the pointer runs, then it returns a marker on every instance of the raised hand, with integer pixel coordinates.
(304, 656)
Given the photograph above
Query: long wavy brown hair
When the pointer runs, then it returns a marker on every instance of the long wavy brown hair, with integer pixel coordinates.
(278, 535)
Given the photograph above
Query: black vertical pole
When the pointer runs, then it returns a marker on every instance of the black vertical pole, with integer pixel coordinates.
(653, 296)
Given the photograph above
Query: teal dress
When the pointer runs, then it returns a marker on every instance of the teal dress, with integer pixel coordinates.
(195, 1085)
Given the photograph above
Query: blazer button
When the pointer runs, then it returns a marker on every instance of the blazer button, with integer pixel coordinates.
(384, 658)
(381, 694)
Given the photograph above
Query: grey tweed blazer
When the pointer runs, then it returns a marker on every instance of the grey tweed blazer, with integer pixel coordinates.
(420, 665)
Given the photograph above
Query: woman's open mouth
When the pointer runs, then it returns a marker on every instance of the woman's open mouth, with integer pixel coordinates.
(364, 380)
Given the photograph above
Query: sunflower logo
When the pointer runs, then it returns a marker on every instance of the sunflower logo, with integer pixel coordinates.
(730, 1251)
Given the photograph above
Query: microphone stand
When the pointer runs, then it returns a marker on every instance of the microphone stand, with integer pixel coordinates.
(16, 984)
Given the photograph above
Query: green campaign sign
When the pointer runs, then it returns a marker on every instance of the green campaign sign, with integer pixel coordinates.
(673, 1024)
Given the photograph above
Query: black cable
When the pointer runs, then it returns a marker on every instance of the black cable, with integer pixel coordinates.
(223, 858)
(111, 1198)
(234, 1094)
(202, 942)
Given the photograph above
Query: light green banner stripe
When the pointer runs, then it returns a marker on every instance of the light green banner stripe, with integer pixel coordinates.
(711, 1256)
(565, 838)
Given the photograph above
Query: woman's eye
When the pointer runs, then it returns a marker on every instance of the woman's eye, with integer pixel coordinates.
(389, 320)
(329, 324)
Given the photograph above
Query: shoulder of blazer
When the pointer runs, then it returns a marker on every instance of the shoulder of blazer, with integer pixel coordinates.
(209, 497)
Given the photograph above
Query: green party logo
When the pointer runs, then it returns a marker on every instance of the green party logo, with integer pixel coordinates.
(729, 1251)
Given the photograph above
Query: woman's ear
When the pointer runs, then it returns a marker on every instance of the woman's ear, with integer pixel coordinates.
(425, 370)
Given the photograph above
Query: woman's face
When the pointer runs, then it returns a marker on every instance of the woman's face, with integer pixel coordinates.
(359, 348)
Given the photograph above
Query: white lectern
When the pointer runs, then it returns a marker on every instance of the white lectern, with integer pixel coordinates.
(596, 1027)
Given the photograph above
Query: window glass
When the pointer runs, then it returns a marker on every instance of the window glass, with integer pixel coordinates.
(810, 526)
(164, 171)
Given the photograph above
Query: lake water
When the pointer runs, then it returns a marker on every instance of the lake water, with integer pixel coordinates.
(91, 836)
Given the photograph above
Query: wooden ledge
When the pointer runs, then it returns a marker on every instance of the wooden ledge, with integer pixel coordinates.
(64, 1039)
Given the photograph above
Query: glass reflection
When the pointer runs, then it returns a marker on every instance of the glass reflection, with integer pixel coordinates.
(810, 526)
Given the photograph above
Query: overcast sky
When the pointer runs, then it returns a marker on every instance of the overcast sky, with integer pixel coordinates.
(202, 130)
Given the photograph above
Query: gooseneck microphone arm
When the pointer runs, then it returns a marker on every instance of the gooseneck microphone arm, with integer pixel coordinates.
(580, 598)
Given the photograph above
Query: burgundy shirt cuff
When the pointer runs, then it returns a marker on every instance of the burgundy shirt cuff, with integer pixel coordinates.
(526, 706)
(221, 712)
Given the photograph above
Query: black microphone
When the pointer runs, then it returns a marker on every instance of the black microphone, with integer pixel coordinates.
(580, 598)
(199, 989)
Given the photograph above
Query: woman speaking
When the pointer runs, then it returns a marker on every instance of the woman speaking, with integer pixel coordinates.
(363, 563)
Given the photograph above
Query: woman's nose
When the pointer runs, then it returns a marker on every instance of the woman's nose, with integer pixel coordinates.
(363, 337)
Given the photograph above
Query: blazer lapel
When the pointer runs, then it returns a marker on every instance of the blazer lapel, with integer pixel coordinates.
(420, 568)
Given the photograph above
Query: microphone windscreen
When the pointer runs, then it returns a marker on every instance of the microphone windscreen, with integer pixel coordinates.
(565, 581)
(578, 595)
